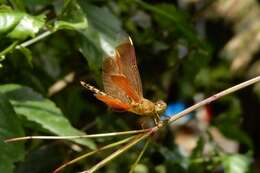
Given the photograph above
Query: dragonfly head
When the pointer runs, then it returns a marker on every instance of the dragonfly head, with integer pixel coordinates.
(160, 106)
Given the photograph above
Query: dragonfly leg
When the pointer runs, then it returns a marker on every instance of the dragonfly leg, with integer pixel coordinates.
(155, 121)
(156, 118)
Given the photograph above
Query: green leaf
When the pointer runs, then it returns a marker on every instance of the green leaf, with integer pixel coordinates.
(237, 163)
(102, 35)
(28, 26)
(102, 19)
(90, 49)
(19, 25)
(8, 20)
(42, 111)
(9, 127)
(72, 17)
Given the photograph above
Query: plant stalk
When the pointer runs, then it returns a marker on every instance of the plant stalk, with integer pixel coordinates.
(77, 137)
(139, 156)
(93, 152)
(121, 150)
(212, 98)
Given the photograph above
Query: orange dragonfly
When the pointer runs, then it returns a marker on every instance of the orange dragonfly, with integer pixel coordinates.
(122, 84)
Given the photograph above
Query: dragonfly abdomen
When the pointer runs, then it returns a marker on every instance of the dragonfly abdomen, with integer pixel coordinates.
(92, 88)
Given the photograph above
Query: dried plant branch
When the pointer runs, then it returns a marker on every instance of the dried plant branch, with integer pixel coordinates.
(213, 98)
(92, 152)
(139, 156)
(121, 150)
(77, 137)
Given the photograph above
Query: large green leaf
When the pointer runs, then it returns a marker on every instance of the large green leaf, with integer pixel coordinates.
(42, 111)
(90, 48)
(102, 19)
(19, 25)
(101, 37)
(9, 127)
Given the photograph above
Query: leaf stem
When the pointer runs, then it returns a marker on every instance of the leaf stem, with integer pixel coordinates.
(8, 49)
(26, 43)
(35, 39)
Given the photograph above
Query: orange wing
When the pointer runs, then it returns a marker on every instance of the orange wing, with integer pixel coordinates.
(113, 103)
(122, 82)
(110, 67)
(129, 64)
(121, 77)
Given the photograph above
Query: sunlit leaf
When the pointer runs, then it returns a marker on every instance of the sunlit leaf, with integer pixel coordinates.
(237, 163)
(19, 25)
(41, 111)
(8, 20)
(9, 127)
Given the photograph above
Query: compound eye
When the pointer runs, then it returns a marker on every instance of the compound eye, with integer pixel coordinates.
(161, 105)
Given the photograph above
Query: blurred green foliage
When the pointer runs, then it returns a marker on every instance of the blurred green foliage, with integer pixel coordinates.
(43, 41)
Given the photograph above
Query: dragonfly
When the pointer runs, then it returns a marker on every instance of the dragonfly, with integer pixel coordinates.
(122, 84)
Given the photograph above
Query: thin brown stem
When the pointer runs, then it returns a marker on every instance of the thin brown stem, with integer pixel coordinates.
(121, 150)
(77, 137)
(92, 152)
(139, 156)
(213, 98)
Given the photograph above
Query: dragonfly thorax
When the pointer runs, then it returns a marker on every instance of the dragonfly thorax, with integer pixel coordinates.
(148, 108)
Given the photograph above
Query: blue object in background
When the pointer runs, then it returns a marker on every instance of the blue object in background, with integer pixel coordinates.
(173, 109)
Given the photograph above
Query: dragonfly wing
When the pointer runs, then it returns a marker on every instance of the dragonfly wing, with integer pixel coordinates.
(122, 82)
(129, 65)
(111, 67)
(113, 102)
